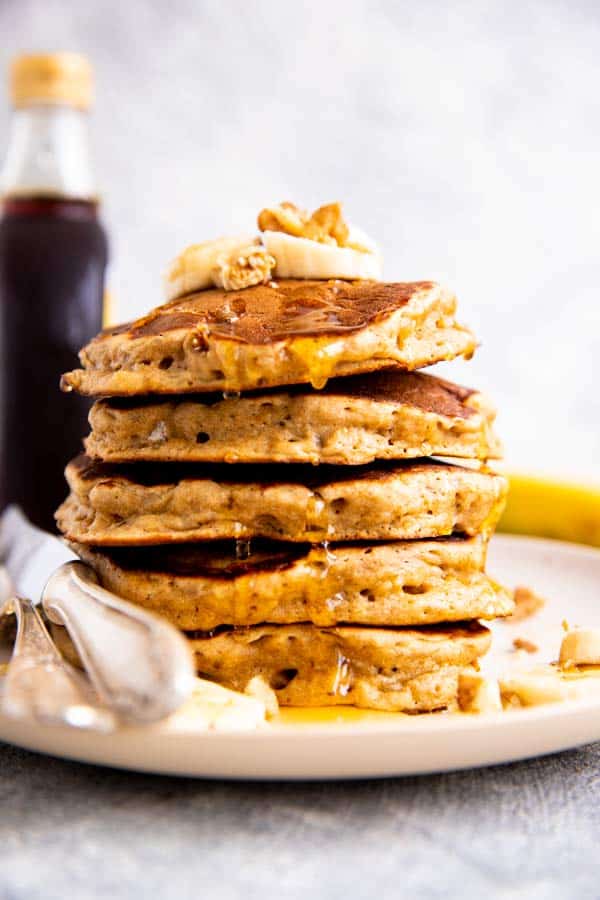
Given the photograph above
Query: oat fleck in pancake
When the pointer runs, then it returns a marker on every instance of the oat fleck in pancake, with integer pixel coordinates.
(384, 415)
(409, 670)
(286, 332)
(199, 586)
(154, 504)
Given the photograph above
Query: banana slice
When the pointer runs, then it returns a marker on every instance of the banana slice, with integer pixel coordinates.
(546, 684)
(477, 694)
(534, 687)
(359, 240)
(213, 707)
(580, 647)
(257, 687)
(230, 262)
(298, 257)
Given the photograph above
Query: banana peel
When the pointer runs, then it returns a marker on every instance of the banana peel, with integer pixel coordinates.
(553, 509)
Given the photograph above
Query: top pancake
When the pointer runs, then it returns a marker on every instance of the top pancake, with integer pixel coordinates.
(287, 332)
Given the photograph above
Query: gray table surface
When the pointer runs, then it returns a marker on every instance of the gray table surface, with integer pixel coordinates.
(529, 830)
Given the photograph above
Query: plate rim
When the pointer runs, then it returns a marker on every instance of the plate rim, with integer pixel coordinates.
(585, 711)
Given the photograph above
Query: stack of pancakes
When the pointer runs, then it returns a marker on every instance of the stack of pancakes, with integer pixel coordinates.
(259, 472)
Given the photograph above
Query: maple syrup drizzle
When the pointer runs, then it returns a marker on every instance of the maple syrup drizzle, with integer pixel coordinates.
(243, 549)
(342, 679)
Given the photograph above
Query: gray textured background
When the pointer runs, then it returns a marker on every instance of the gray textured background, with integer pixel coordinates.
(465, 136)
(528, 831)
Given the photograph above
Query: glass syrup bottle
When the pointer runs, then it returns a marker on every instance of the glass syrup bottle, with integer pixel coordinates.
(53, 255)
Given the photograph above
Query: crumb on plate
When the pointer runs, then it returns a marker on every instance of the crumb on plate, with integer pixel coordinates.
(520, 643)
(527, 604)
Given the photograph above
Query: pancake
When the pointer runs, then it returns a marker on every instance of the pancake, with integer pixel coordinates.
(200, 586)
(409, 670)
(404, 670)
(287, 332)
(352, 421)
(152, 504)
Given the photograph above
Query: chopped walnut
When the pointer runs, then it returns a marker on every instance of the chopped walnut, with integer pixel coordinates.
(523, 644)
(243, 268)
(285, 217)
(326, 225)
(527, 603)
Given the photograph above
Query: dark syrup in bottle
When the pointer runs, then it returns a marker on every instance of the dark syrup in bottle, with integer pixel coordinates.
(53, 254)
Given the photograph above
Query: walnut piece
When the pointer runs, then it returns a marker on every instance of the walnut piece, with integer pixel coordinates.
(326, 225)
(244, 268)
(520, 643)
(527, 603)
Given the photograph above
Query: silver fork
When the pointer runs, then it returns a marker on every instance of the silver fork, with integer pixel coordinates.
(40, 684)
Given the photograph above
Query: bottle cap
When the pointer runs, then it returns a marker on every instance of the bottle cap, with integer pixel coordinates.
(57, 79)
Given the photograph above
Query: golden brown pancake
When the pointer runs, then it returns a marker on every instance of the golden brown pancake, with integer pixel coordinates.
(409, 670)
(383, 415)
(153, 504)
(287, 332)
(201, 586)
(403, 670)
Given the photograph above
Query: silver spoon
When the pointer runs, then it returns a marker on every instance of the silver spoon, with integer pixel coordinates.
(139, 664)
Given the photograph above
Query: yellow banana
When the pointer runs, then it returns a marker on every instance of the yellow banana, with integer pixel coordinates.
(553, 509)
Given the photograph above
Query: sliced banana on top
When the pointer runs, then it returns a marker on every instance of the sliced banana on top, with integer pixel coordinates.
(359, 240)
(232, 263)
(317, 245)
(298, 257)
(293, 244)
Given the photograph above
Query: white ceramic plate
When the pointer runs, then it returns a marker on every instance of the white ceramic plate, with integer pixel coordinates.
(355, 744)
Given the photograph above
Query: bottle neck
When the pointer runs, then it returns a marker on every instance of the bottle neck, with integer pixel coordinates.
(49, 155)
